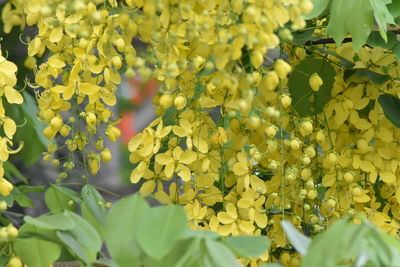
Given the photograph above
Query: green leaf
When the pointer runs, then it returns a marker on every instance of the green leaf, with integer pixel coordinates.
(57, 200)
(391, 108)
(4, 260)
(220, 254)
(71, 193)
(382, 16)
(342, 21)
(396, 51)
(88, 215)
(205, 72)
(394, 9)
(23, 200)
(319, 7)
(201, 234)
(329, 247)
(185, 253)
(346, 63)
(58, 221)
(31, 131)
(30, 188)
(248, 246)
(73, 245)
(367, 74)
(10, 169)
(84, 234)
(376, 40)
(121, 228)
(94, 201)
(299, 241)
(302, 37)
(34, 251)
(109, 263)
(301, 91)
(160, 227)
(169, 116)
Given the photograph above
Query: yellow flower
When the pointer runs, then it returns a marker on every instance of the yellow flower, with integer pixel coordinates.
(174, 162)
(5, 186)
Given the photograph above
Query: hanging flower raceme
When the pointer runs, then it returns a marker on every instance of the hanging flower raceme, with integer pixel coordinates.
(8, 80)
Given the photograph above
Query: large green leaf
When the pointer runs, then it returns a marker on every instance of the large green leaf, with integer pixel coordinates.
(121, 229)
(58, 221)
(394, 9)
(376, 40)
(57, 200)
(185, 253)
(94, 201)
(343, 21)
(331, 247)
(30, 132)
(301, 91)
(248, 246)
(160, 227)
(382, 15)
(299, 241)
(73, 245)
(82, 236)
(34, 251)
(220, 255)
(391, 107)
(319, 7)
(92, 208)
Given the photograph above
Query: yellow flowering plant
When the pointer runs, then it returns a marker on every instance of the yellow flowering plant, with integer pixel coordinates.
(267, 110)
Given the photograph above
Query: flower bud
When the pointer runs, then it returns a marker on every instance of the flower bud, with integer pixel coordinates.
(105, 155)
(282, 68)
(180, 102)
(315, 82)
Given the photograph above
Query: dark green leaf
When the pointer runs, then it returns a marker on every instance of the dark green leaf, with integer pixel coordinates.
(346, 63)
(3, 260)
(394, 9)
(367, 74)
(376, 40)
(160, 227)
(121, 230)
(10, 169)
(205, 72)
(169, 116)
(301, 91)
(248, 246)
(391, 107)
(302, 37)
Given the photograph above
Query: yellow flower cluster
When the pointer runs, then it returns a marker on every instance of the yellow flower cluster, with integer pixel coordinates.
(228, 143)
(8, 80)
(85, 44)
